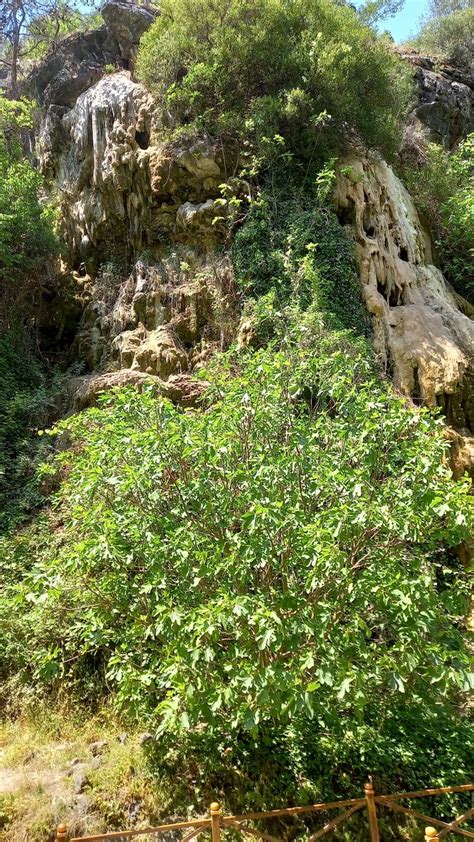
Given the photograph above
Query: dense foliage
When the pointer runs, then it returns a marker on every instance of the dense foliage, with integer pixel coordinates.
(28, 391)
(274, 570)
(443, 187)
(448, 31)
(26, 225)
(305, 70)
(27, 240)
(293, 247)
(279, 557)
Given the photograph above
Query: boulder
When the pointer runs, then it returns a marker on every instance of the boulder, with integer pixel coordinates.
(84, 391)
(184, 390)
(444, 111)
(80, 779)
(180, 389)
(445, 107)
(76, 63)
(98, 747)
(83, 807)
(160, 353)
(127, 21)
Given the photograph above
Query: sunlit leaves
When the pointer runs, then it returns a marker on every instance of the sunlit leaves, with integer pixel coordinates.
(277, 554)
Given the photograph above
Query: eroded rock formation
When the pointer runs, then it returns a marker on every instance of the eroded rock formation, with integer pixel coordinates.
(423, 338)
(164, 319)
(444, 111)
(92, 152)
(72, 67)
(128, 199)
(117, 186)
(127, 21)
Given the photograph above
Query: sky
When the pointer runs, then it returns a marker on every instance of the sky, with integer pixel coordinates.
(405, 23)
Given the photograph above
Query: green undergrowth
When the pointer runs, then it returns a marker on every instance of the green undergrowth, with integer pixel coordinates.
(29, 400)
(267, 581)
(443, 188)
(291, 247)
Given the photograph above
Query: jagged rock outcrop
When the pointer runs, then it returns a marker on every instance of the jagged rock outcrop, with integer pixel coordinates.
(127, 21)
(72, 67)
(117, 188)
(121, 194)
(444, 112)
(164, 319)
(78, 61)
(183, 390)
(425, 341)
(94, 155)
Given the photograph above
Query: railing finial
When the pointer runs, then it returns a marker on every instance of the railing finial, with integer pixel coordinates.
(61, 833)
(215, 810)
(431, 834)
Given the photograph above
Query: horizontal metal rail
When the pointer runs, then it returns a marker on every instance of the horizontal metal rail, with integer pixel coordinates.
(215, 822)
(425, 793)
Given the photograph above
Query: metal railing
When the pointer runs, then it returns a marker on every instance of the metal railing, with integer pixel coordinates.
(371, 802)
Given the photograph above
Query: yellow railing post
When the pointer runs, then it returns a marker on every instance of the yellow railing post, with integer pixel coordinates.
(431, 834)
(215, 811)
(61, 833)
(372, 811)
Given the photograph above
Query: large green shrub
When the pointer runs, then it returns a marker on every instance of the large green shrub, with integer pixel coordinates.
(279, 556)
(253, 68)
(449, 35)
(443, 188)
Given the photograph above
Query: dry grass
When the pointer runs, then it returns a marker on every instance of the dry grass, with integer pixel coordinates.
(37, 793)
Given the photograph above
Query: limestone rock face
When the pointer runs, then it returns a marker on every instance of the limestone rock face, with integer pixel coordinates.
(425, 341)
(122, 196)
(76, 63)
(92, 151)
(444, 112)
(127, 21)
(118, 191)
(165, 318)
(157, 352)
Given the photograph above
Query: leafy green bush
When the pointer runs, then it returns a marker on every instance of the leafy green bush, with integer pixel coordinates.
(26, 236)
(449, 36)
(248, 69)
(276, 558)
(26, 225)
(293, 246)
(444, 191)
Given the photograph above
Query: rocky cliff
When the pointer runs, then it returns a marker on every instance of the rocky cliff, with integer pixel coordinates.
(128, 200)
(421, 334)
(444, 109)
